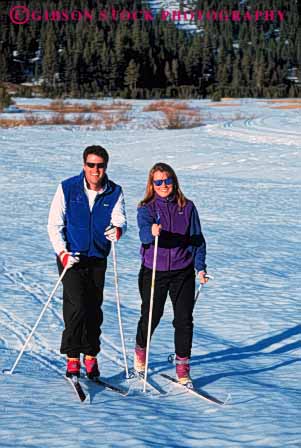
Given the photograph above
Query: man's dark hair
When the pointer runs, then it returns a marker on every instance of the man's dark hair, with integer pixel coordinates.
(98, 151)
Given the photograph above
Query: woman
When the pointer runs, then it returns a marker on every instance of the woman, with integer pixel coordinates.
(165, 212)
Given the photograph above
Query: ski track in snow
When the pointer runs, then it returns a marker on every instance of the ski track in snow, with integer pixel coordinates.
(244, 177)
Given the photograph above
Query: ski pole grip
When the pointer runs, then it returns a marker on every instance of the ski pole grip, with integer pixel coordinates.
(210, 277)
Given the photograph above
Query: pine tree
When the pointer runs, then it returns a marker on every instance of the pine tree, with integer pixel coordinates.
(167, 73)
(50, 59)
(194, 60)
(175, 71)
(132, 75)
(5, 98)
(4, 69)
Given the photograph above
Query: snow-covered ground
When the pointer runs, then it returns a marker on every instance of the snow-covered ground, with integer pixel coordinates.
(244, 176)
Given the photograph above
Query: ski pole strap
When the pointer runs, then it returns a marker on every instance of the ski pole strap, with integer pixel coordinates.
(171, 358)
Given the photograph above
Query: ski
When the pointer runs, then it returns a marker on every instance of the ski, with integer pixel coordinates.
(76, 386)
(196, 392)
(106, 385)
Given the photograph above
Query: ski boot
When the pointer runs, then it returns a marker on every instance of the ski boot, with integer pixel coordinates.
(182, 370)
(91, 365)
(73, 367)
(139, 360)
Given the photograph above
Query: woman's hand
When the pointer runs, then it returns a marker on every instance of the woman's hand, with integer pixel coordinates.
(202, 277)
(156, 229)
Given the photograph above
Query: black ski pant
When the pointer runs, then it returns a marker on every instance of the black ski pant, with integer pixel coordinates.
(83, 287)
(180, 285)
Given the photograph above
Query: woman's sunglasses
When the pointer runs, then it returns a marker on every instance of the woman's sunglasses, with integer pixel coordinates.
(98, 165)
(159, 182)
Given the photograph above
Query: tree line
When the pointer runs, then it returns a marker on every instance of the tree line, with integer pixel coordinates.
(154, 59)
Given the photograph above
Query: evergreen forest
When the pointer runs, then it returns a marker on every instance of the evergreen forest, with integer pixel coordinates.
(154, 59)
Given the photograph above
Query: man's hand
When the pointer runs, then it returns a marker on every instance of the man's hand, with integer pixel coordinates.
(113, 233)
(156, 229)
(68, 259)
(203, 277)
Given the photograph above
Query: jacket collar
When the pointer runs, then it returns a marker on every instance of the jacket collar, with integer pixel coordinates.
(105, 182)
(169, 199)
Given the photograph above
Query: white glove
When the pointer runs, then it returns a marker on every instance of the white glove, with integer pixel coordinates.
(113, 233)
(68, 259)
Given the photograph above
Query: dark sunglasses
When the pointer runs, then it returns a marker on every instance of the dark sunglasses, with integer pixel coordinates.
(159, 182)
(98, 165)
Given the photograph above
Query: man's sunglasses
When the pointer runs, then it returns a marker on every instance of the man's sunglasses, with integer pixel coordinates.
(98, 165)
(159, 182)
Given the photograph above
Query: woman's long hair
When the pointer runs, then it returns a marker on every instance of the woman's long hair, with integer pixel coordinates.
(150, 192)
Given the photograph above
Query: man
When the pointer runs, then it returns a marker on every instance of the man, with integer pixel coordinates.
(87, 213)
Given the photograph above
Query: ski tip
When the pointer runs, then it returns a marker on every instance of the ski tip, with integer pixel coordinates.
(77, 387)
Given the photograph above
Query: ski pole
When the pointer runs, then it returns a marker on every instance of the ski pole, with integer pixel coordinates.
(171, 358)
(150, 310)
(9, 372)
(201, 286)
(119, 310)
(198, 293)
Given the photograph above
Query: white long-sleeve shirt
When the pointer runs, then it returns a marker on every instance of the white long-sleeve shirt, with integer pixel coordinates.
(56, 219)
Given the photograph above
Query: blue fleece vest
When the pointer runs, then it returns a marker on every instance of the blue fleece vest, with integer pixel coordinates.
(84, 229)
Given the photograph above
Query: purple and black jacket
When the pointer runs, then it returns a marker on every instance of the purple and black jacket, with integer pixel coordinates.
(181, 241)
